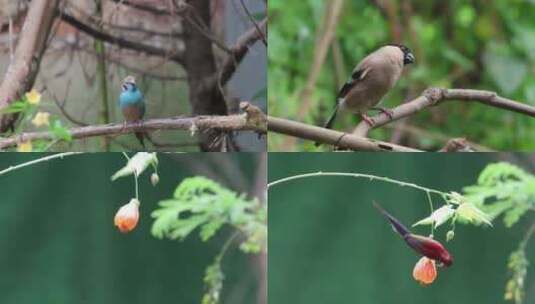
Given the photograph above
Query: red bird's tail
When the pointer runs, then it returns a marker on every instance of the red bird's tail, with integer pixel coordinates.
(398, 227)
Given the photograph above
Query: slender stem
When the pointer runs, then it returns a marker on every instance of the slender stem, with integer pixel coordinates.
(35, 161)
(432, 210)
(100, 50)
(358, 175)
(527, 236)
(137, 186)
(227, 245)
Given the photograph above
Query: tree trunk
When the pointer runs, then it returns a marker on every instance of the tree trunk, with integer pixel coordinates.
(199, 62)
(23, 69)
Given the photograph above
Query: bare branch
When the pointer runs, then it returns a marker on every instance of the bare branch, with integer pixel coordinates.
(434, 96)
(151, 50)
(252, 120)
(339, 139)
(238, 52)
(251, 18)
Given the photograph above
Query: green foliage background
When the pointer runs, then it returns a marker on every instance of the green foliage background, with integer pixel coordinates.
(488, 45)
(327, 244)
(58, 243)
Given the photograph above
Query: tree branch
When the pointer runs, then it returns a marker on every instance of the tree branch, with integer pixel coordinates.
(434, 96)
(339, 139)
(140, 47)
(238, 52)
(253, 119)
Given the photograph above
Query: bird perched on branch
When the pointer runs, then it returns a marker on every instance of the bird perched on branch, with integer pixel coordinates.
(132, 104)
(423, 245)
(371, 79)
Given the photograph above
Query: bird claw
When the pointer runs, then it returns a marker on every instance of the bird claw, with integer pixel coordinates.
(386, 111)
(368, 120)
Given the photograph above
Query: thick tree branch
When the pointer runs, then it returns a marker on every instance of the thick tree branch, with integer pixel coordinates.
(339, 139)
(23, 68)
(121, 42)
(253, 119)
(434, 96)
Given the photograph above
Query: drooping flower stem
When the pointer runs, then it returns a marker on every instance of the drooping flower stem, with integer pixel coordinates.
(135, 178)
(432, 210)
(137, 186)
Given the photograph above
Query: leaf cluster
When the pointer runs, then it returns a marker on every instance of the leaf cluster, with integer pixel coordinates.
(199, 202)
(503, 189)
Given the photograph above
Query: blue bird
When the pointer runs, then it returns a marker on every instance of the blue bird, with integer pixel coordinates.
(132, 104)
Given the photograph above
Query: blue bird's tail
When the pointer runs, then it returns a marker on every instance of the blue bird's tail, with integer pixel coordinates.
(140, 137)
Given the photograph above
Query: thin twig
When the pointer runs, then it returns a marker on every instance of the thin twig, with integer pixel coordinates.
(36, 161)
(358, 175)
(258, 29)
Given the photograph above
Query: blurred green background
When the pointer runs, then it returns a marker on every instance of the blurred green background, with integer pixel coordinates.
(58, 243)
(327, 244)
(487, 45)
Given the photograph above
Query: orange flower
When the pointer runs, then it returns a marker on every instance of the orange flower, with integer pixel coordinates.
(127, 217)
(425, 271)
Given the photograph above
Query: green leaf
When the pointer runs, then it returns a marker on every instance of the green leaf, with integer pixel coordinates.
(136, 165)
(438, 217)
(16, 107)
(513, 214)
(59, 131)
(471, 213)
(199, 202)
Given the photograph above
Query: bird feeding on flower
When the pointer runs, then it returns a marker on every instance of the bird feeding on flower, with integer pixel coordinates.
(425, 246)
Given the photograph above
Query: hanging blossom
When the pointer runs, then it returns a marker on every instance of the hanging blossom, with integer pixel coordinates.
(127, 217)
(425, 271)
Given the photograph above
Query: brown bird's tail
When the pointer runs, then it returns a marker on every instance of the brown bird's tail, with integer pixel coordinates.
(329, 123)
(140, 137)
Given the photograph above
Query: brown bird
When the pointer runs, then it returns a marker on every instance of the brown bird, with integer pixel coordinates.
(372, 78)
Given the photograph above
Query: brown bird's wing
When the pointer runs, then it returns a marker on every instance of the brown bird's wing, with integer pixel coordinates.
(358, 74)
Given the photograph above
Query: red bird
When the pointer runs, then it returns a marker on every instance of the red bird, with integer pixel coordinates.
(423, 245)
